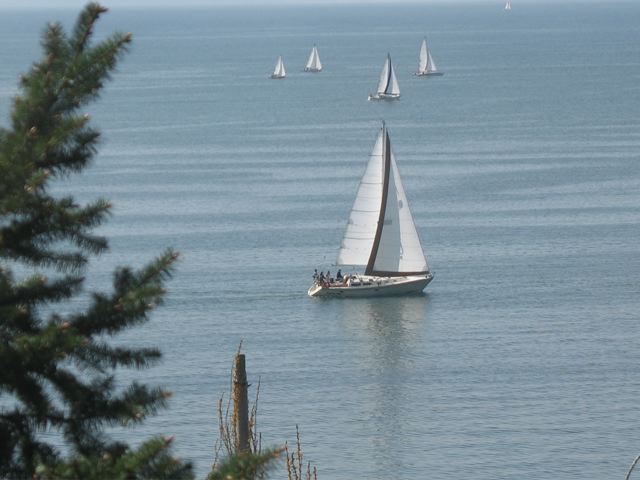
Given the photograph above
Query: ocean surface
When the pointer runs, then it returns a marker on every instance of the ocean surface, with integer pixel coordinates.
(522, 168)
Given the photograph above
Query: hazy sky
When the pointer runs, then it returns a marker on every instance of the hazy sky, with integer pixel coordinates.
(76, 4)
(185, 3)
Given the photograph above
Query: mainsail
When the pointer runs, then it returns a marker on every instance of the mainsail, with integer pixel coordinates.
(279, 71)
(388, 83)
(314, 64)
(381, 234)
(424, 57)
(426, 63)
(508, 5)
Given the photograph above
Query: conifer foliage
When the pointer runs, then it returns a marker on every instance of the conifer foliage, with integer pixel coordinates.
(56, 367)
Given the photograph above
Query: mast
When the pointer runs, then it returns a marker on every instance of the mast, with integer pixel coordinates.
(396, 250)
(381, 235)
(386, 156)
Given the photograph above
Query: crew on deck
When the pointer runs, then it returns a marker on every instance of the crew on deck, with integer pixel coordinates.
(326, 280)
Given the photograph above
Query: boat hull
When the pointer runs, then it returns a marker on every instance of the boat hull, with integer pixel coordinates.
(312, 70)
(374, 287)
(277, 77)
(382, 96)
(428, 74)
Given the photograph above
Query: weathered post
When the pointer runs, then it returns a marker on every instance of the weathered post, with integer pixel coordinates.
(241, 404)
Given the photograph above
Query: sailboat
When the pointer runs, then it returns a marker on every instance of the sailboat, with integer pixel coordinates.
(426, 65)
(279, 72)
(508, 5)
(313, 64)
(381, 236)
(388, 88)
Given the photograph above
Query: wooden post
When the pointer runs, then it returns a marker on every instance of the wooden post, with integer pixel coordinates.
(241, 404)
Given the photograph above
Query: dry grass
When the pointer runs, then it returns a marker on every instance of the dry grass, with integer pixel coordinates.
(295, 465)
(227, 443)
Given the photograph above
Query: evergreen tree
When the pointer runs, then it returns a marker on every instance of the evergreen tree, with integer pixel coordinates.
(56, 367)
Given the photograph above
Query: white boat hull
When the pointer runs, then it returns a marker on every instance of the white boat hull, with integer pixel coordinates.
(428, 74)
(382, 96)
(366, 286)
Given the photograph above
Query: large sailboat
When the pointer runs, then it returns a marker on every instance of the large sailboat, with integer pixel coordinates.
(426, 65)
(279, 72)
(313, 63)
(380, 235)
(388, 88)
(508, 5)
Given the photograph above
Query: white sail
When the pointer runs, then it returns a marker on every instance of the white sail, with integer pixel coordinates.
(431, 65)
(313, 63)
(388, 83)
(426, 65)
(392, 88)
(279, 71)
(384, 75)
(381, 233)
(508, 5)
(399, 249)
(424, 57)
(356, 245)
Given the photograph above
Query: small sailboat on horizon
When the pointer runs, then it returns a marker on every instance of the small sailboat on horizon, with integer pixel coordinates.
(388, 88)
(380, 235)
(508, 5)
(279, 72)
(314, 64)
(426, 65)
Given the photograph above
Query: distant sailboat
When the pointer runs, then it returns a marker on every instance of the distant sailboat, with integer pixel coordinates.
(313, 64)
(388, 88)
(508, 5)
(279, 71)
(381, 236)
(426, 65)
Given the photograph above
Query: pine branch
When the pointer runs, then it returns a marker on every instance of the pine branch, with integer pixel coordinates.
(39, 290)
(58, 369)
(102, 357)
(151, 460)
(84, 26)
(32, 234)
(135, 295)
(246, 466)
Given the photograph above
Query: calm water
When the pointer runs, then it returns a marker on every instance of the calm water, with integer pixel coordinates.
(522, 166)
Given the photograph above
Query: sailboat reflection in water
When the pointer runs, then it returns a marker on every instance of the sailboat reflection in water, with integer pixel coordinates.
(380, 235)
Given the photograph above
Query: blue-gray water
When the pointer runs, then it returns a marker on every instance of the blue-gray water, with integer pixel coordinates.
(522, 166)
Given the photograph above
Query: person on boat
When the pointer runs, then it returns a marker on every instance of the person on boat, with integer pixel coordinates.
(339, 275)
(315, 274)
(321, 277)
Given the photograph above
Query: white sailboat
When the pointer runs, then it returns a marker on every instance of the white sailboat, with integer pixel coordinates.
(426, 65)
(381, 236)
(508, 5)
(279, 72)
(388, 88)
(313, 63)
